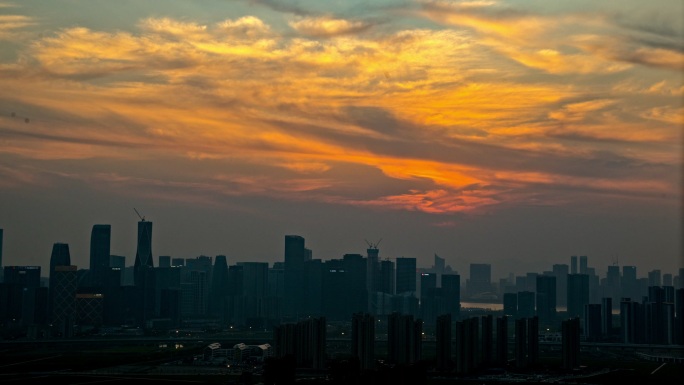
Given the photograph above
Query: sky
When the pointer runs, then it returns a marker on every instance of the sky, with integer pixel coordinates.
(515, 133)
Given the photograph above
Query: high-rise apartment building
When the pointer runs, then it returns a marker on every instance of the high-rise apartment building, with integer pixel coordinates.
(546, 300)
(363, 339)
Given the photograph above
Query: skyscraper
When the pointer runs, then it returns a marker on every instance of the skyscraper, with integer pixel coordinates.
(100, 238)
(295, 257)
(480, 280)
(406, 275)
(143, 253)
(578, 295)
(546, 300)
(1, 269)
(143, 273)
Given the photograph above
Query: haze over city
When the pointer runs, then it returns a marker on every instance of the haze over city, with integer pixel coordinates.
(516, 133)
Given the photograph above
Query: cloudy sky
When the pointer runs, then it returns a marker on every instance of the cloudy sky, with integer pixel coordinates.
(516, 133)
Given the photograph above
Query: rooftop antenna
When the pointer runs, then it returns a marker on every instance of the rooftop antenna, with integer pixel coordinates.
(141, 217)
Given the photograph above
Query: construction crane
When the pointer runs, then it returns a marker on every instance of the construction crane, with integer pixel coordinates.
(141, 217)
(373, 245)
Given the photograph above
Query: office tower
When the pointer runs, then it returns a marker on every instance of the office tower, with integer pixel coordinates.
(363, 339)
(526, 301)
(430, 298)
(612, 284)
(20, 295)
(628, 283)
(573, 265)
(60, 257)
(406, 275)
(386, 277)
(443, 341)
(24, 276)
(143, 253)
(480, 281)
(467, 352)
(63, 287)
(143, 274)
(668, 279)
(218, 291)
(606, 316)
(570, 348)
(335, 307)
(439, 264)
(164, 261)
(89, 309)
(373, 267)
(510, 304)
(254, 290)
(578, 294)
(502, 341)
(177, 261)
(561, 273)
(170, 305)
(100, 239)
(546, 300)
(314, 273)
(295, 281)
(428, 283)
(654, 278)
(1, 269)
(451, 291)
(404, 338)
(357, 295)
(583, 265)
(592, 322)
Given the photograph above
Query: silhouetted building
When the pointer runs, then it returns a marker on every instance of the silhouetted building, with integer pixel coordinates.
(295, 280)
(467, 349)
(406, 275)
(164, 261)
(526, 304)
(502, 341)
(59, 257)
(443, 343)
(629, 283)
(304, 340)
(510, 304)
(404, 338)
(487, 339)
(546, 300)
(1, 269)
(386, 277)
(63, 286)
(573, 265)
(561, 273)
(606, 317)
(143, 253)
(583, 265)
(479, 285)
(570, 350)
(632, 321)
(363, 339)
(100, 239)
(526, 342)
(592, 322)
(578, 295)
(451, 291)
(218, 292)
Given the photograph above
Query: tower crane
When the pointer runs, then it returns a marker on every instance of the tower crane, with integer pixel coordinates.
(140, 216)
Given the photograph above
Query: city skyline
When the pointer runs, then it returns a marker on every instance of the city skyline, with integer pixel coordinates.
(511, 133)
(462, 268)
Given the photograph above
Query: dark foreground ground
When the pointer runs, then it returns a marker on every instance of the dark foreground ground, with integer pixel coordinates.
(109, 364)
